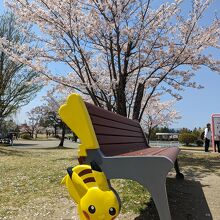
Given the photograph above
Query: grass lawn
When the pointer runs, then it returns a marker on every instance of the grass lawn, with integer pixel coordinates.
(31, 175)
(30, 186)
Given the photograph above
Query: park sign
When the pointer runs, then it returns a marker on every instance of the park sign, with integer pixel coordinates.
(215, 129)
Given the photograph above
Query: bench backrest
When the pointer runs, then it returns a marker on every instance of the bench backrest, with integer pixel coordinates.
(116, 134)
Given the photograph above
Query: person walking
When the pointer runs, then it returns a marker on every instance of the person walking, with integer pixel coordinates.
(207, 136)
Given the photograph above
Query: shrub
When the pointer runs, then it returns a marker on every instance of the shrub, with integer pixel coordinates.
(199, 142)
(26, 136)
(187, 138)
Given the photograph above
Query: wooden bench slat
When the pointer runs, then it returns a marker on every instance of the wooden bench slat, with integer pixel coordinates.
(109, 123)
(104, 139)
(158, 151)
(120, 136)
(122, 149)
(121, 145)
(103, 130)
(96, 111)
(170, 152)
(117, 149)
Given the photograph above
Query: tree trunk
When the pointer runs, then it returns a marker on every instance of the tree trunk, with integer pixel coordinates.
(75, 137)
(55, 130)
(1, 121)
(63, 135)
(149, 135)
(138, 100)
(121, 97)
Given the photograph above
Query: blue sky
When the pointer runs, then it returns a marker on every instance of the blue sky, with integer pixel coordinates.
(196, 106)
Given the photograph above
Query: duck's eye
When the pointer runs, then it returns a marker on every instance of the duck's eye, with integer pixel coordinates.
(91, 209)
(112, 211)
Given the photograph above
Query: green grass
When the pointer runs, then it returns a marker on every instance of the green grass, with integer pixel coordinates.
(30, 176)
(133, 195)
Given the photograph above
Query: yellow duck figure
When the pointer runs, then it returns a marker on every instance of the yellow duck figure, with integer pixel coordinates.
(89, 188)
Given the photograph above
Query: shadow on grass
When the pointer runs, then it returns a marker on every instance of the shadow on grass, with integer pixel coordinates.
(73, 158)
(199, 166)
(52, 148)
(4, 151)
(23, 145)
(37, 147)
(186, 199)
(192, 148)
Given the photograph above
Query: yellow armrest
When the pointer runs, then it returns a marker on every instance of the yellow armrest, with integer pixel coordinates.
(75, 115)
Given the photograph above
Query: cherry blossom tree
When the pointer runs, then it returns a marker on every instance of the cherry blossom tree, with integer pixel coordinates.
(34, 124)
(119, 53)
(50, 109)
(159, 114)
(49, 116)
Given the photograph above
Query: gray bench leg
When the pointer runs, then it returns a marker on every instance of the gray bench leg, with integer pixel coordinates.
(159, 195)
(179, 175)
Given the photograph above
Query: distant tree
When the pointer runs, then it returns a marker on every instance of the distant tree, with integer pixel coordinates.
(47, 115)
(34, 124)
(16, 89)
(164, 129)
(25, 129)
(184, 130)
(187, 138)
(196, 132)
(8, 126)
(51, 107)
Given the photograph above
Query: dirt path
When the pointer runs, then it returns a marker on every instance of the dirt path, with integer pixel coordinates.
(211, 189)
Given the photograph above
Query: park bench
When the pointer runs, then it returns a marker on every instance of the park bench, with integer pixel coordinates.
(119, 146)
(6, 139)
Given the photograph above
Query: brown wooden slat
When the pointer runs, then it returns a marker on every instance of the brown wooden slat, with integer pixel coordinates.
(115, 131)
(100, 112)
(129, 151)
(141, 145)
(171, 152)
(116, 134)
(118, 149)
(158, 150)
(108, 123)
(102, 139)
